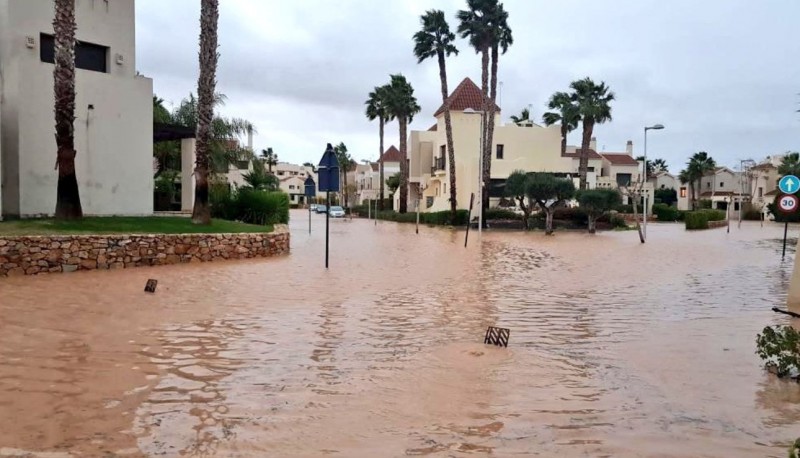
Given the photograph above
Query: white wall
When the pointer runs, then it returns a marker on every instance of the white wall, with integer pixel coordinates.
(114, 141)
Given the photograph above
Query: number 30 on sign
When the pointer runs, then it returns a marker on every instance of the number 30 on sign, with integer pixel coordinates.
(788, 203)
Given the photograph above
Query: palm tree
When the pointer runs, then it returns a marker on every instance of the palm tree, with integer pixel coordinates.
(485, 23)
(594, 107)
(566, 114)
(270, 158)
(68, 199)
(697, 166)
(402, 105)
(525, 115)
(659, 165)
(436, 40)
(346, 164)
(377, 109)
(790, 164)
(206, 83)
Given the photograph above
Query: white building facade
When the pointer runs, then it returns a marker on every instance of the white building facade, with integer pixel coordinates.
(113, 109)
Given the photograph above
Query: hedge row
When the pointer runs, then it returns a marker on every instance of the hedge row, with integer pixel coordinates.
(441, 218)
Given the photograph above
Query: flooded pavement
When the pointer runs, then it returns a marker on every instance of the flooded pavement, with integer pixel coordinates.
(617, 349)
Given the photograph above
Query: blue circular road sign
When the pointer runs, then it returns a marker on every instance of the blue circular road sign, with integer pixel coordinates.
(789, 184)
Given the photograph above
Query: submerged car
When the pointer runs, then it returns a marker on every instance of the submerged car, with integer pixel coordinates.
(321, 209)
(312, 207)
(336, 212)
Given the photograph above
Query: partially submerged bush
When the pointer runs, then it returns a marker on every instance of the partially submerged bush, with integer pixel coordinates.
(779, 347)
(665, 212)
(249, 206)
(441, 218)
(696, 220)
(501, 213)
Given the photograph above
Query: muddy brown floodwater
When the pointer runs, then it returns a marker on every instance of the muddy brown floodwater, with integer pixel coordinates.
(617, 349)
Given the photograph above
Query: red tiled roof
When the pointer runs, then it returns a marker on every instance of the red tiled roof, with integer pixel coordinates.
(466, 95)
(592, 155)
(620, 159)
(433, 128)
(765, 166)
(392, 155)
(375, 166)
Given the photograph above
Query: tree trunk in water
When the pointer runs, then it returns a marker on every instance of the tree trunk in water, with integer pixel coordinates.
(380, 160)
(588, 126)
(68, 199)
(563, 138)
(448, 128)
(635, 205)
(403, 167)
(548, 225)
(525, 213)
(485, 153)
(206, 85)
(487, 166)
(592, 221)
(691, 194)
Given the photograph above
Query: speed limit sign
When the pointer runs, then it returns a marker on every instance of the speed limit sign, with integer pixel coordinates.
(788, 203)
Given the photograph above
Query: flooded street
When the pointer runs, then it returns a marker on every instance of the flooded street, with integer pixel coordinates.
(616, 349)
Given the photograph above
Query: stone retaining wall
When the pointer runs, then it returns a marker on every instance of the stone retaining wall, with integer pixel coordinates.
(31, 255)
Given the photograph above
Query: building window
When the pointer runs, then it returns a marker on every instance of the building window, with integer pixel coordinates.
(683, 191)
(708, 184)
(291, 186)
(721, 184)
(624, 179)
(280, 173)
(760, 192)
(499, 151)
(442, 151)
(88, 56)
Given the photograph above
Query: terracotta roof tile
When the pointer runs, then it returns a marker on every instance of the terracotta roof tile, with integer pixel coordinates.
(592, 155)
(392, 155)
(466, 95)
(620, 159)
(433, 128)
(375, 166)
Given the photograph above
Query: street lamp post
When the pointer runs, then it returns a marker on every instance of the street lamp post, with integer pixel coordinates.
(480, 168)
(644, 182)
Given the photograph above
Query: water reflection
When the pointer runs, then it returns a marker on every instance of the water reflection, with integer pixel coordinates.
(617, 349)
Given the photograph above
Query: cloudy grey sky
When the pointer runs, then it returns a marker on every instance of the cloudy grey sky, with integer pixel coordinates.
(722, 75)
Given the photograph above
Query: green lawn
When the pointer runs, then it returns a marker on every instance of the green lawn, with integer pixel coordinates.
(123, 225)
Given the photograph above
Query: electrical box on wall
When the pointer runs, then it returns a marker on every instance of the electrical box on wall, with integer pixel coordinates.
(30, 42)
(120, 59)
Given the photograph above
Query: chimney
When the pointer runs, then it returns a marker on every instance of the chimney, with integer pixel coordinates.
(629, 148)
(593, 143)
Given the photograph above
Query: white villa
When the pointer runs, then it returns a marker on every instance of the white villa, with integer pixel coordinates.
(529, 147)
(367, 176)
(114, 111)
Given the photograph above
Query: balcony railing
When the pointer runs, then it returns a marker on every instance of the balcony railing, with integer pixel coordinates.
(438, 164)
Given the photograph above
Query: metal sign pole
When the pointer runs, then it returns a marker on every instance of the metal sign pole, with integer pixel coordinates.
(785, 230)
(327, 227)
(417, 215)
(469, 218)
(309, 218)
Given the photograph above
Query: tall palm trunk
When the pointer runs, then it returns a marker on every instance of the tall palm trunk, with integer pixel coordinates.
(691, 194)
(487, 166)
(486, 152)
(206, 85)
(588, 127)
(403, 121)
(380, 160)
(68, 199)
(448, 127)
(564, 133)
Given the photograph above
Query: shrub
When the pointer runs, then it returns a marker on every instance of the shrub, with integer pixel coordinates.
(713, 215)
(751, 215)
(704, 204)
(248, 205)
(780, 216)
(617, 221)
(665, 212)
(696, 220)
(681, 215)
(624, 208)
(779, 347)
(262, 207)
(665, 196)
(441, 218)
(500, 213)
(577, 214)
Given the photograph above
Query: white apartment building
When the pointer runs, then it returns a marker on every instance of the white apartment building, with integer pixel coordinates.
(368, 179)
(114, 111)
